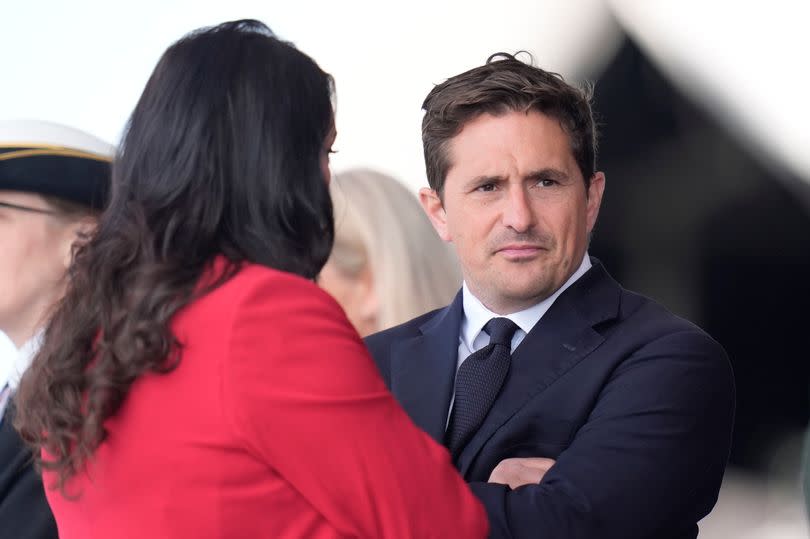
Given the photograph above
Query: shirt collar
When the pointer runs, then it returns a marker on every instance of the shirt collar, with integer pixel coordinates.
(476, 315)
(8, 357)
(25, 355)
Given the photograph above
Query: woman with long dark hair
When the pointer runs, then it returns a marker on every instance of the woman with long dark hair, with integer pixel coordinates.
(195, 382)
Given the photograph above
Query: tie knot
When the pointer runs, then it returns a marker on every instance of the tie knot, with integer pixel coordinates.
(500, 331)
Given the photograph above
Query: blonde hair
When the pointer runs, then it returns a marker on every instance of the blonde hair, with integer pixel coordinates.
(380, 225)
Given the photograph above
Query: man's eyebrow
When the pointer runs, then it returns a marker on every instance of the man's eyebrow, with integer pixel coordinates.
(547, 173)
(486, 178)
(539, 174)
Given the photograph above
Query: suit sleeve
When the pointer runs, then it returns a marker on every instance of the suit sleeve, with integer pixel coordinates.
(648, 462)
(306, 397)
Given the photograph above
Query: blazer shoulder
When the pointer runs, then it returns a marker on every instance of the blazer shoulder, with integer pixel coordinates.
(380, 343)
(406, 330)
(634, 304)
(257, 295)
(254, 276)
(653, 322)
(254, 282)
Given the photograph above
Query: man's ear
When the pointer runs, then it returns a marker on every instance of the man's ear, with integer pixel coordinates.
(595, 191)
(432, 204)
(74, 235)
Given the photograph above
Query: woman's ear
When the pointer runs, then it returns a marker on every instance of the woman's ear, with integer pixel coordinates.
(73, 235)
(368, 305)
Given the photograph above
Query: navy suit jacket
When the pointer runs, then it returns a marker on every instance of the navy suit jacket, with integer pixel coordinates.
(635, 405)
(24, 511)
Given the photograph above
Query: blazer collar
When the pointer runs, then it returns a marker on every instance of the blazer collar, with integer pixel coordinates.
(557, 343)
(423, 369)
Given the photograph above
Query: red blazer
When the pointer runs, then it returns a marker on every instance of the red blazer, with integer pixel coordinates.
(275, 424)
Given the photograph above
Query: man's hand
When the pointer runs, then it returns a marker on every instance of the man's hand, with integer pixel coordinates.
(517, 472)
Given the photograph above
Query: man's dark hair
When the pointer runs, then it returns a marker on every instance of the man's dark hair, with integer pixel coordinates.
(502, 85)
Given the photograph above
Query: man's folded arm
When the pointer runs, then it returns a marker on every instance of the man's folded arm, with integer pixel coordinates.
(648, 462)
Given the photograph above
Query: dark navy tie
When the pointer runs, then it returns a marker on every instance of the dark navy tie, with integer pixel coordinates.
(478, 382)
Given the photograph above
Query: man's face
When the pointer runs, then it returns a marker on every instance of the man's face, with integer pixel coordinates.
(35, 254)
(515, 207)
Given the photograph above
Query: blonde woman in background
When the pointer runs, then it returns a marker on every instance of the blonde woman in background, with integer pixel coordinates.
(387, 265)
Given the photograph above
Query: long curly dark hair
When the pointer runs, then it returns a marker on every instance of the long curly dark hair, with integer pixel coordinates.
(223, 156)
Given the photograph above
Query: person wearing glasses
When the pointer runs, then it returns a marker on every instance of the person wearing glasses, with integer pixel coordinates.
(53, 183)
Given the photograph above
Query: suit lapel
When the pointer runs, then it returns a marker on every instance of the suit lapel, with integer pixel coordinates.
(562, 338)
(12, 456)
(423, 370)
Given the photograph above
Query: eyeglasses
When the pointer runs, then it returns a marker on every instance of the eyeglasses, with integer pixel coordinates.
(27, 208)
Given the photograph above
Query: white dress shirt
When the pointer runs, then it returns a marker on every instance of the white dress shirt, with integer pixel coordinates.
(8, 357)
(472, 336)
(14, 362)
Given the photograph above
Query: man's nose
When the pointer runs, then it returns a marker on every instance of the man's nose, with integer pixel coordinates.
(517, 212)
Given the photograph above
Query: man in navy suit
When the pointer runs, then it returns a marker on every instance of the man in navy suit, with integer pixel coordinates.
(574, 408)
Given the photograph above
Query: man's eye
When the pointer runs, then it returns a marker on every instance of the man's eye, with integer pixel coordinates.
(546, 183)
(487, 187)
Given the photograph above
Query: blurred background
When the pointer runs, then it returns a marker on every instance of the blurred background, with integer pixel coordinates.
(705, 143)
